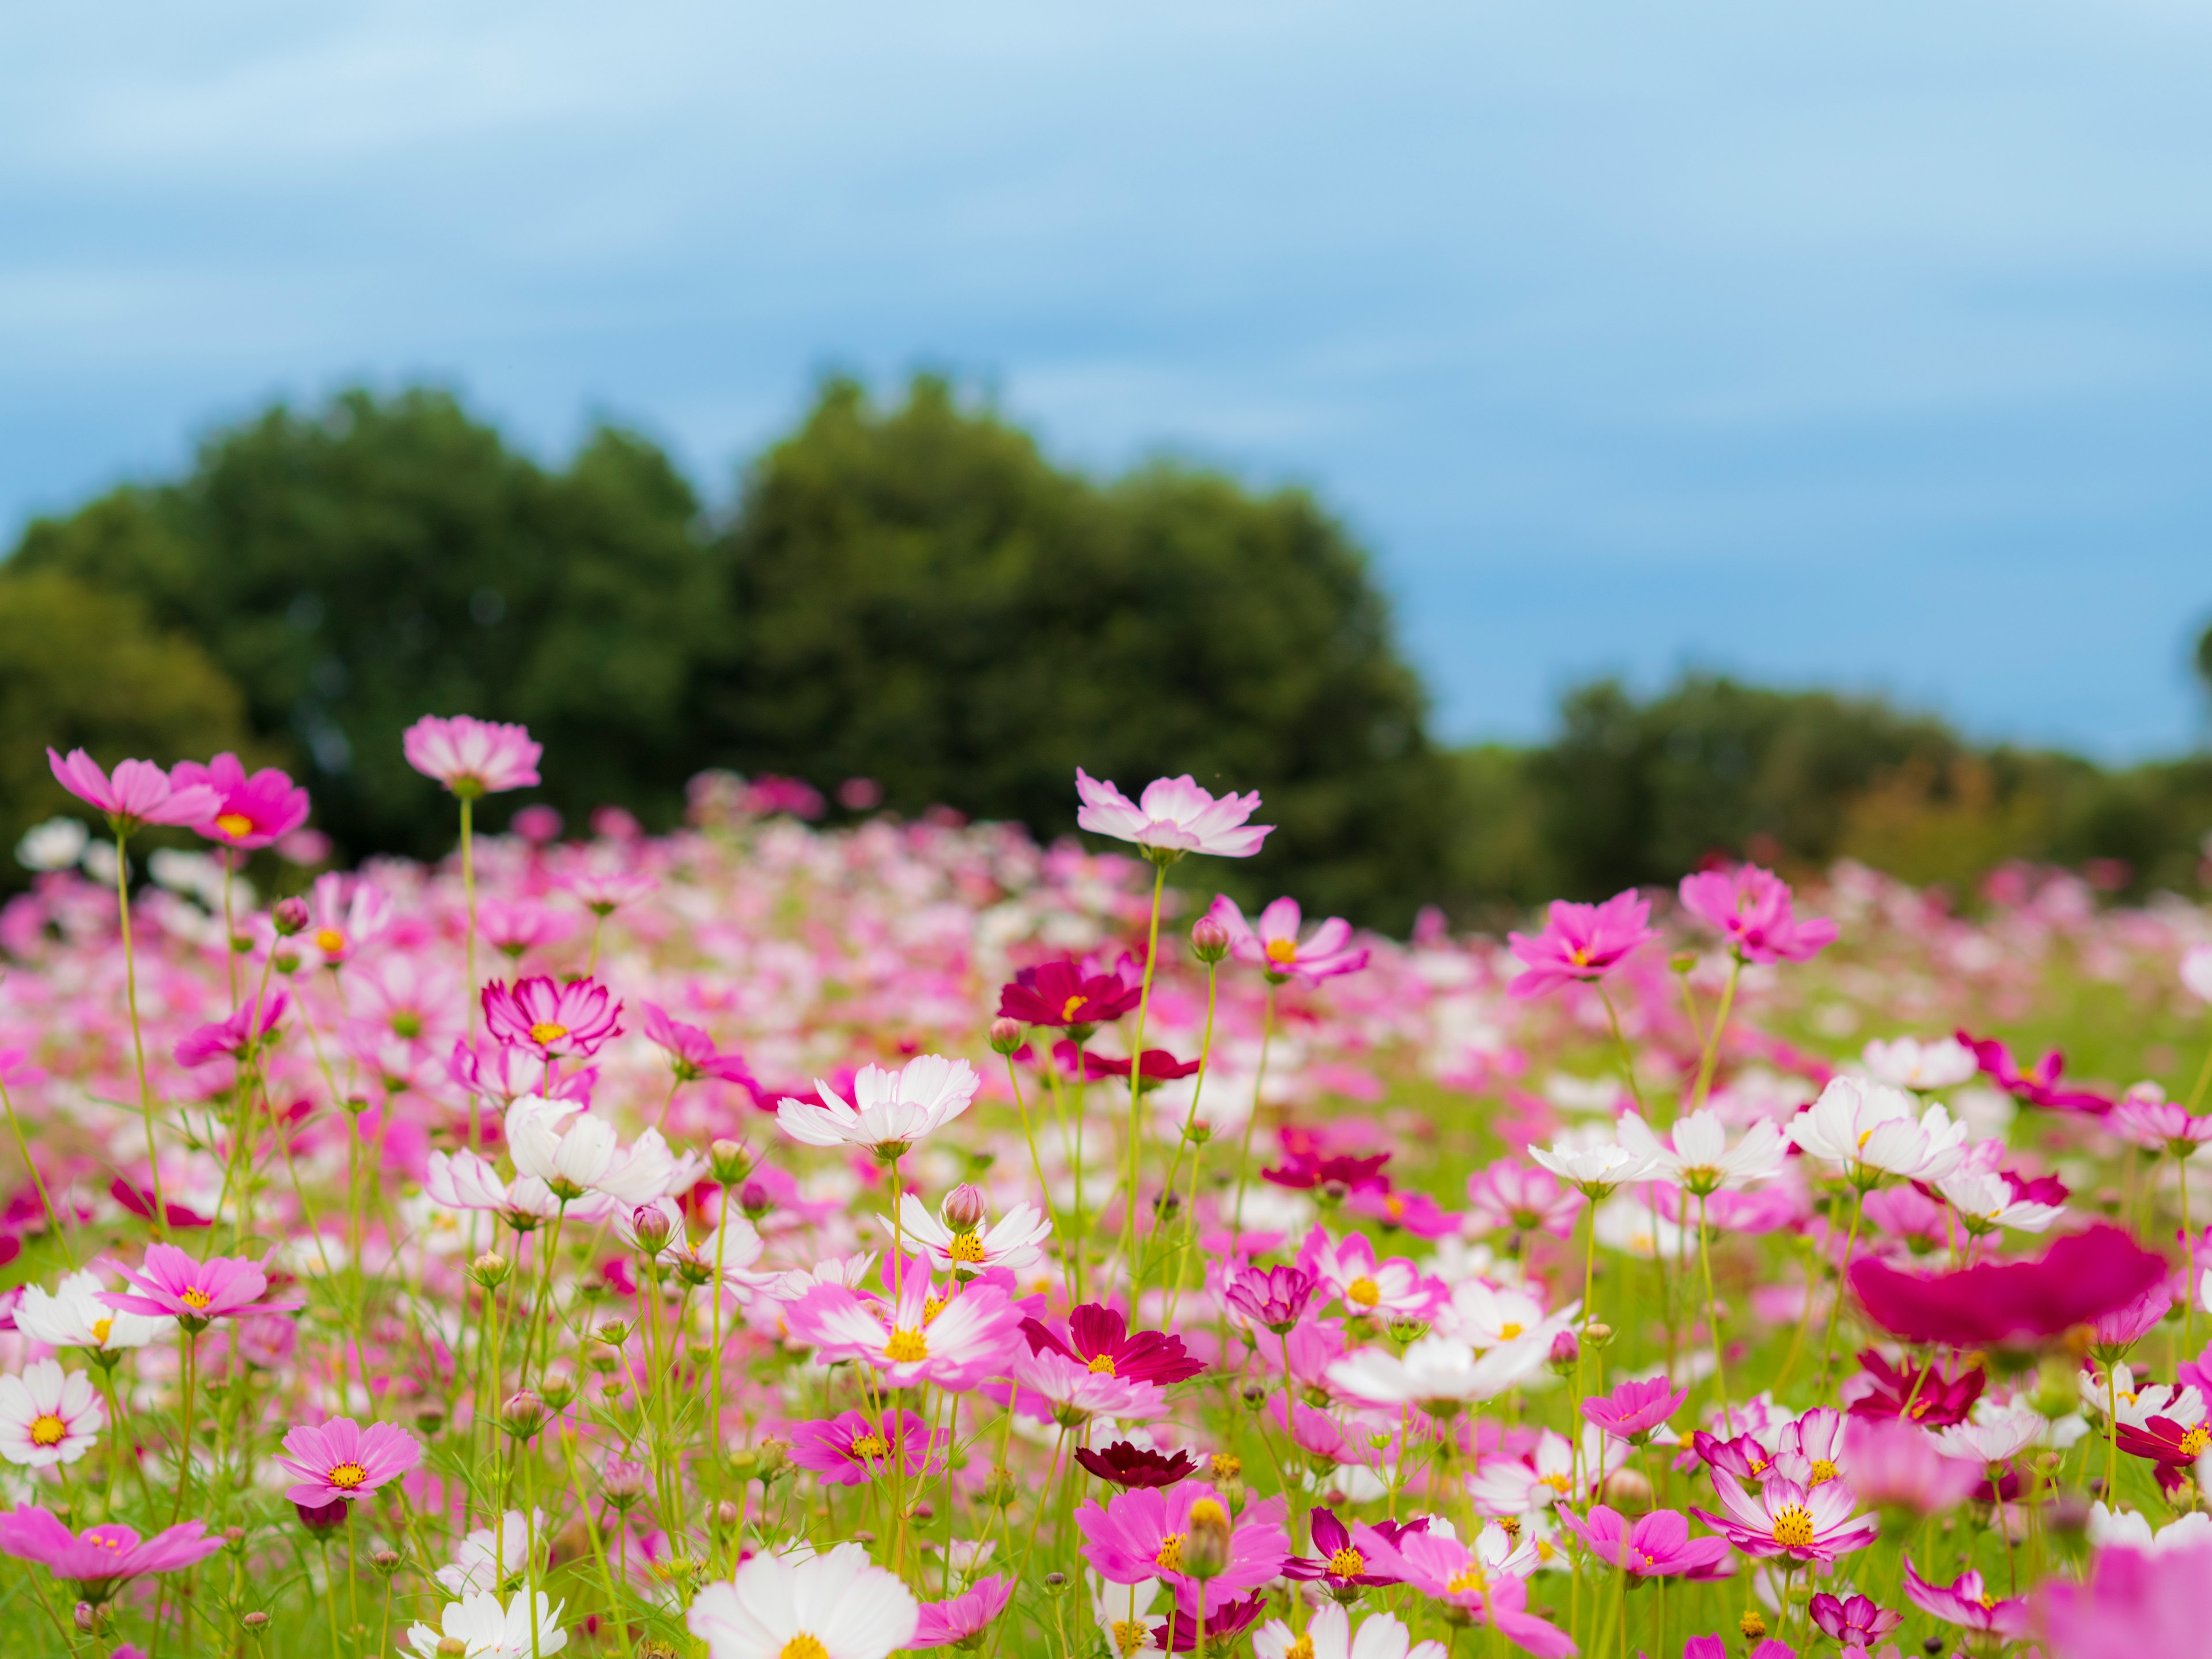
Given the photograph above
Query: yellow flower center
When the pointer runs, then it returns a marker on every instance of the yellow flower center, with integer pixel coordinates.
(1793, 1527)
(965, 1247)
(47, 1429)
(1394, 1204)
(330, 941)
(1301, 1648)
(931, 1307)
(803, 1646)
(100, 1330)
(1579, 955)
(1468, 1577)
(1067, 1008)
(1347, 1562)
(346, 1476)
(1558, 1483)
(1170, 1559)
(906, 1346)
(868, 1446)
(1129, 1636)
(1509, 1330)
(196, 1299)
(1509, 1525)
(1207, 1513)
(1365, 1291)
(1103, 1365)
(234, 824)
(1823, 1470)
(1282, 951)
(2196, 1440)
(542, 1033)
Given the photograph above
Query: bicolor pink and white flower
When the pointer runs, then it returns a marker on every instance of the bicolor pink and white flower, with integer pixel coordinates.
(472, 757)
(1173, 817)
(913, 1337)
(889, 1111)
(48, 1416)
(1272, 944)
(1781, 1517)
(1015, 1241)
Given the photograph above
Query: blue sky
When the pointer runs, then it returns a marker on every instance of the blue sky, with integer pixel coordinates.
(1863, 344)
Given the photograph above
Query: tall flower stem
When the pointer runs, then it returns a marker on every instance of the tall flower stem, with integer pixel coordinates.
(1843, 1274)
(2181, 1150)
(1037, 1167)
(138, 1035)
(1244, 1151)
(23, 1146)
(1710, 1058)
(1713, 1318)
(469, 947)
(1136, 1085)
(185, 1435)
(1628, 1054)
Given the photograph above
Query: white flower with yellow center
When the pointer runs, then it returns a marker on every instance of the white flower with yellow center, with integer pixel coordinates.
(1328, 1635)
(484, 1627)
(48, 1416)
(1015, 1241)
(836, 1605)
(74, 1317)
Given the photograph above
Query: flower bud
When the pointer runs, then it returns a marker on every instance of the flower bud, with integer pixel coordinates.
(321, 1517)
(1055, 1582)
(234, 1539)
(1566, 1351)
(754, 1201)
(1209, 940)
(523, 1415)
(1006, 1035)
(771, 1458)
(729, 1162)
(1001, 1488)
(614, 1332)
(288, 916)
(451, 1647)
(87, 1617)
(622, 1483)
(557, 1390)
(256, 1620)
(727, 1516)
(924, 1511)
(384, 1560)
(651, 1225)
(964, 1208)
(489, 1270)
(1407, 1330)
(1205, 1547)
(429, 1420)
(1628, 1489)
(1330, 1194)
(1596, 1334)
(1254, 1395)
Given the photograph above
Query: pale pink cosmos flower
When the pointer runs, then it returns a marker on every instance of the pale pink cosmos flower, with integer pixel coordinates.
(515, 927)
(48, 1416)
(1805, 1523)
(472, 757)
(957, 1620)
(99, 1559)
(603, 892)
(967, 1337)
(1050, 1386)
(1438, 1373)
(1654, 1545)
(235, 1037)
(1894, 1463)
(836, 1604)
(890, 1110)
(2133, 1606)
(339, 1459)
(1392, 1289)
(1523, 1485)
(140, 793)
(1580, 942)
(1872, 1130)
(1173, 817)
(1273, 944)
(465, 1180)
(1696, 1156)
(346, 913)
(249, 811)
(1984, 1202)
(1440, 1566)
(1634, 1408)
(1751, 908)
(691, 1052)
(1487, 1316)
(1908, 1063)
(1965, 1601)
(2144, 1116)
(1512, 1195)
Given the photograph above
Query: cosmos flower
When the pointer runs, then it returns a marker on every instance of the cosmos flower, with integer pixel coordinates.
(1655, 1546)
(2159, 1125)
(1048, 1386)
(890, 1110)
(1908, 1063)
(339, 1459)
(2078, 1277)
(1634, 1409)
(958, 1619)
(1127, 1465)
(1521, 1485)
(1696, 1156)
(1934, 1396)
(195, 1293)
(1271, 944)
(344, 914)
(1986, 1202)
(2037, 1085)
(140, 793)
(464, 1180)
(1349, 1268)
(1329, 1634)
(1347, 1559)
(691, 1052)
(515, 928)
(1870, 1130)
(1751, 908)
(1580, 942)
(1965, 1601)
(237, 1037)
(249, 811)
(1226, 1620)
(1015, 1242)
(855, 1447)
(484, 1627)
(552, 1020)
(472, 757)
(1853, 1620)
(913, 1338)
(1439, 1565)
(1059, 993)
(490, 1556)
(2133, 1605)
(1303, 1170)
(1805, 1523)
(1275, 1297)
(1438, 1372)
(48, 1416)
(835, 1605)
(76, 1317)
(99, 1559)
(1482, 1314)
(1173, 817)
(1100, 1339)
(1140, 1534)
(1594, 1168)
(1509, 1195)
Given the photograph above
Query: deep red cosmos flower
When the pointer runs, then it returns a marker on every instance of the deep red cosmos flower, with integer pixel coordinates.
(1101, 1339)
(1304, 1170)
(1223, 1624)
(1924, 1395)
(2078, 1277)
(1127, 1465)
(1061, 994)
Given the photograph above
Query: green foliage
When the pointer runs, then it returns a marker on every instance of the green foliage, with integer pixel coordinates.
(925, 599)
(84, 668)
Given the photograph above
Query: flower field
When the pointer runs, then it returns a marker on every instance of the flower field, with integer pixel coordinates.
(770, 1242)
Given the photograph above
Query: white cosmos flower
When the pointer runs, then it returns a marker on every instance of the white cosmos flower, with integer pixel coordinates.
(48, 1416)
(1329, 1634)
(1994, 1432)
(490, 1555)
(1699, 1160)
(569, 1157)
(1595, 1164)
(1984, 1202)
(1015, 1241)
(466, 1180)
(845, 1607)
(2197, 970)
(1508, 1485)
(1908, 1063)
(73, 1316)
(487, 1629)
(1483, 1316)
(1873, 1130)
(890, 1110)
(2126, 1529)
(1628, 1224)
(1437, 1369)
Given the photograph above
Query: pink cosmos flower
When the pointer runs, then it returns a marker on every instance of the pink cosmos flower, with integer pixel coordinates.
(1173, 817)
(1580, 942)
(1448, 1570)
(472, 757)
(228, 1039)
(1272, 1297)
(954, 1622)
(1415, 1212)
(1140, 1536)
(1965, 1601)
(855, 1447)
(1348, 1267)
(1805, 1523)
(1632, 1410)
(1751, 908)
(1060, 994)
(1657, 1544)
(691, 1053)
(49, 1416)
(345, 914)
(195, 1293)
(250, 811)
(603, 892)
(463, 1181)
(514, 928)
(2159, 1125)
(99, 1559)
(1345, 1558)
(1050, 1386)
(2134, 1605)
(2080, 1277)
(1853, 1621)
(2116, 1330)
(140, 793)
(1716, 1647)
(552, 1019)
(1273, 945)
(339, 1459)
(890, 1110)
(2037, 1085)
(956, 1345)
(1510, 1194)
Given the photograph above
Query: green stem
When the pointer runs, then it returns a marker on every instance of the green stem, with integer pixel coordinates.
(1137, 1088)
(1843, 1279)
(1713, 1318)
(469, 947)
(138, 1035)
(1712, 1054)
(1244, 1151)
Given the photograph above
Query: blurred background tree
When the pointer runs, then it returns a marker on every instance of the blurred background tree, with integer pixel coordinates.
(912, 591)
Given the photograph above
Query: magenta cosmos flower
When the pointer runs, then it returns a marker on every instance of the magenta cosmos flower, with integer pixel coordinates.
(2038, 1085)
(139, 791)
(691, 1052)
(1273, 945)
(2077, 1279)
(227, 1039)
(472, 757)
(1655, 1546)
(339, 1459)
(1965, 1602)
(2160, 1125)
(1805, 1523)
(1853, 1620)
(1274, 1296)
(1061, 994)
(952, 1622)
(1173, 817)
(1632, 1410)
(1891, 1464)
(1448, 1570)
(2133, 1606)
(853, 1447)
(1140, 1536)
(252, 811)
(1580, 942)
(1751, 908)
(194, 1293)
(553, 1020)
(102, 1557)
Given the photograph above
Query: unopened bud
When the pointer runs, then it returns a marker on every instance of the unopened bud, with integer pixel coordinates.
(234, 1539)
(771, 1458)
(1001, 1488)
(1055, 1582)
(1407, 1330)
(1332, 1192)
(523, 1415)
(652, 1227)
(288, 916)
(255, 1620)
(729, 1162)
(451, 1647)
(557, 1390)
(384, 1560)
(87, 1617)
(1566, 1351)
(1209, 940)
(429, 1420)
(1006, 1035)
(964, 1208)
(1628, 1489)
(923, 1511)
(614, 1332)
(1205, 1549)
(726, 1515)
(622, 1483)
(489, 1270)
(1596, 1334)
(1254, 1395)
(754, 1201)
